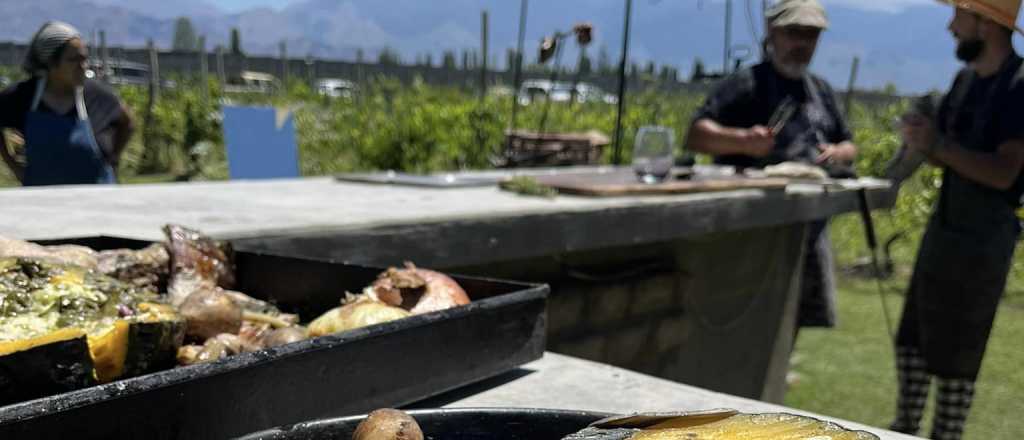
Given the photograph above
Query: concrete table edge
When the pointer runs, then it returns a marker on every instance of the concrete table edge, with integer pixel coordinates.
(622, 389)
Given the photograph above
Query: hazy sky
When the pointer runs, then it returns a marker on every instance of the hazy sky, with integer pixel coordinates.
(901, 42)
(239, 5)
(879, 5)
(873, 5)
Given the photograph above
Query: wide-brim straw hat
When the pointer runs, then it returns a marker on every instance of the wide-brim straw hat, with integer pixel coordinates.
(1003, 12)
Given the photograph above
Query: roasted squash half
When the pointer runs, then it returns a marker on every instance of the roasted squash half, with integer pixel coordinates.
(69, 359)
(64, 327)
(50, 364)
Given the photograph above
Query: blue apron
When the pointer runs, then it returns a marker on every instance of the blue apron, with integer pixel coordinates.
(62, 150)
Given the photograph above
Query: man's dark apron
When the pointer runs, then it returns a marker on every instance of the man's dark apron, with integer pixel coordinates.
(62, 150)
(963, 262)
(800, 139)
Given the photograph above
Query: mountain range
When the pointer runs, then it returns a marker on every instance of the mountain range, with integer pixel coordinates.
(899, 42)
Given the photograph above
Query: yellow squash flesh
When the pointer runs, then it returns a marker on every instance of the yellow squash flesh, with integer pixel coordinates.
(9, 347)
(757, 427)
(109, 351)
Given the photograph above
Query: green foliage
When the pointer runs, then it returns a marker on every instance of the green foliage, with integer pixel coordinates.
(181, 118)
(386, 125)
(698, 70)
(604, 62)
(448, 60)
(510, 60)
(185, 38)
(417, 129)
(585, 66)
(388, 57)
(236, 42)
(529, 186)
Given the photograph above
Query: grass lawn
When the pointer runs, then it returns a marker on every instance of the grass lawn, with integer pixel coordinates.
(848, 371)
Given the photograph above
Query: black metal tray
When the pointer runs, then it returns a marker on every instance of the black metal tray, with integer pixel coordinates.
(387, 365)
(452, 424)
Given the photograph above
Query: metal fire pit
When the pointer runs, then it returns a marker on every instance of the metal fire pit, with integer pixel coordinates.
(452, 424)
(386, 365)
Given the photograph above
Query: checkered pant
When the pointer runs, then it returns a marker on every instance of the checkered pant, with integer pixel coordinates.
(952, 405)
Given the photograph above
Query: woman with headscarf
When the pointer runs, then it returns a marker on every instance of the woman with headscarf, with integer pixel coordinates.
(74, 128)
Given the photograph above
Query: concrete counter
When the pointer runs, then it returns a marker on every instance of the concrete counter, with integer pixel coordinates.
(322, 208)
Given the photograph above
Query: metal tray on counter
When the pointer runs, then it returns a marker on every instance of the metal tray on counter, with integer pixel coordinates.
(386, 365)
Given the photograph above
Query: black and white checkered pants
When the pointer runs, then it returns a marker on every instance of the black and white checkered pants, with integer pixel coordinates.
(952, 405)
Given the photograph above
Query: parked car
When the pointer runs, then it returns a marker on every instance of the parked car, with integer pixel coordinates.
(252, 82)
(590, 93)
(532, 90)
(335, 87)
(122, 73)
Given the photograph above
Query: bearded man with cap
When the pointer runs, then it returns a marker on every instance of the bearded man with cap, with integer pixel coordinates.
(74, 128)
(977, 138)
(731, 126)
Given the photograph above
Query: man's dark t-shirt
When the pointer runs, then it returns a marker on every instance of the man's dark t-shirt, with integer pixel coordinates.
(750, 97)
(102, 105)
(981, 114)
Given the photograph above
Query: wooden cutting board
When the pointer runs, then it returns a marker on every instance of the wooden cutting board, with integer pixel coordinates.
(626, 184)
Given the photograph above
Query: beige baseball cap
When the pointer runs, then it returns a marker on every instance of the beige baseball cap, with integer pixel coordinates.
(797, 13)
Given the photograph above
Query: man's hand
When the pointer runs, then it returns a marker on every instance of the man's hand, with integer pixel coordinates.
(919, 134)
(759, 141)
(836, 153)
(17, 168)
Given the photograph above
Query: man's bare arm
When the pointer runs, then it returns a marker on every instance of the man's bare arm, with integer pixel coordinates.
(710, 137)
(997, 170)
(124, 127)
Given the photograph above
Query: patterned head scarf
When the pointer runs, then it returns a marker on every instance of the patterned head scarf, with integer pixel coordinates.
(50, 39)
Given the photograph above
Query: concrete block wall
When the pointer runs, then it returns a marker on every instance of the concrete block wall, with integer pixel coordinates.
(629, 324)
(720, 316)
(637, 324)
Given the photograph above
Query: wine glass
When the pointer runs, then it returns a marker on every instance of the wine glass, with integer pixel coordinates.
(652, 153)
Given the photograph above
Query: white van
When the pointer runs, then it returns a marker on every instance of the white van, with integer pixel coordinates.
(335, 87)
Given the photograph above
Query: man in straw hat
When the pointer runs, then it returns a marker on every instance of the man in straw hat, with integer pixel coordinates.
(966, 252)
(740, 126)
